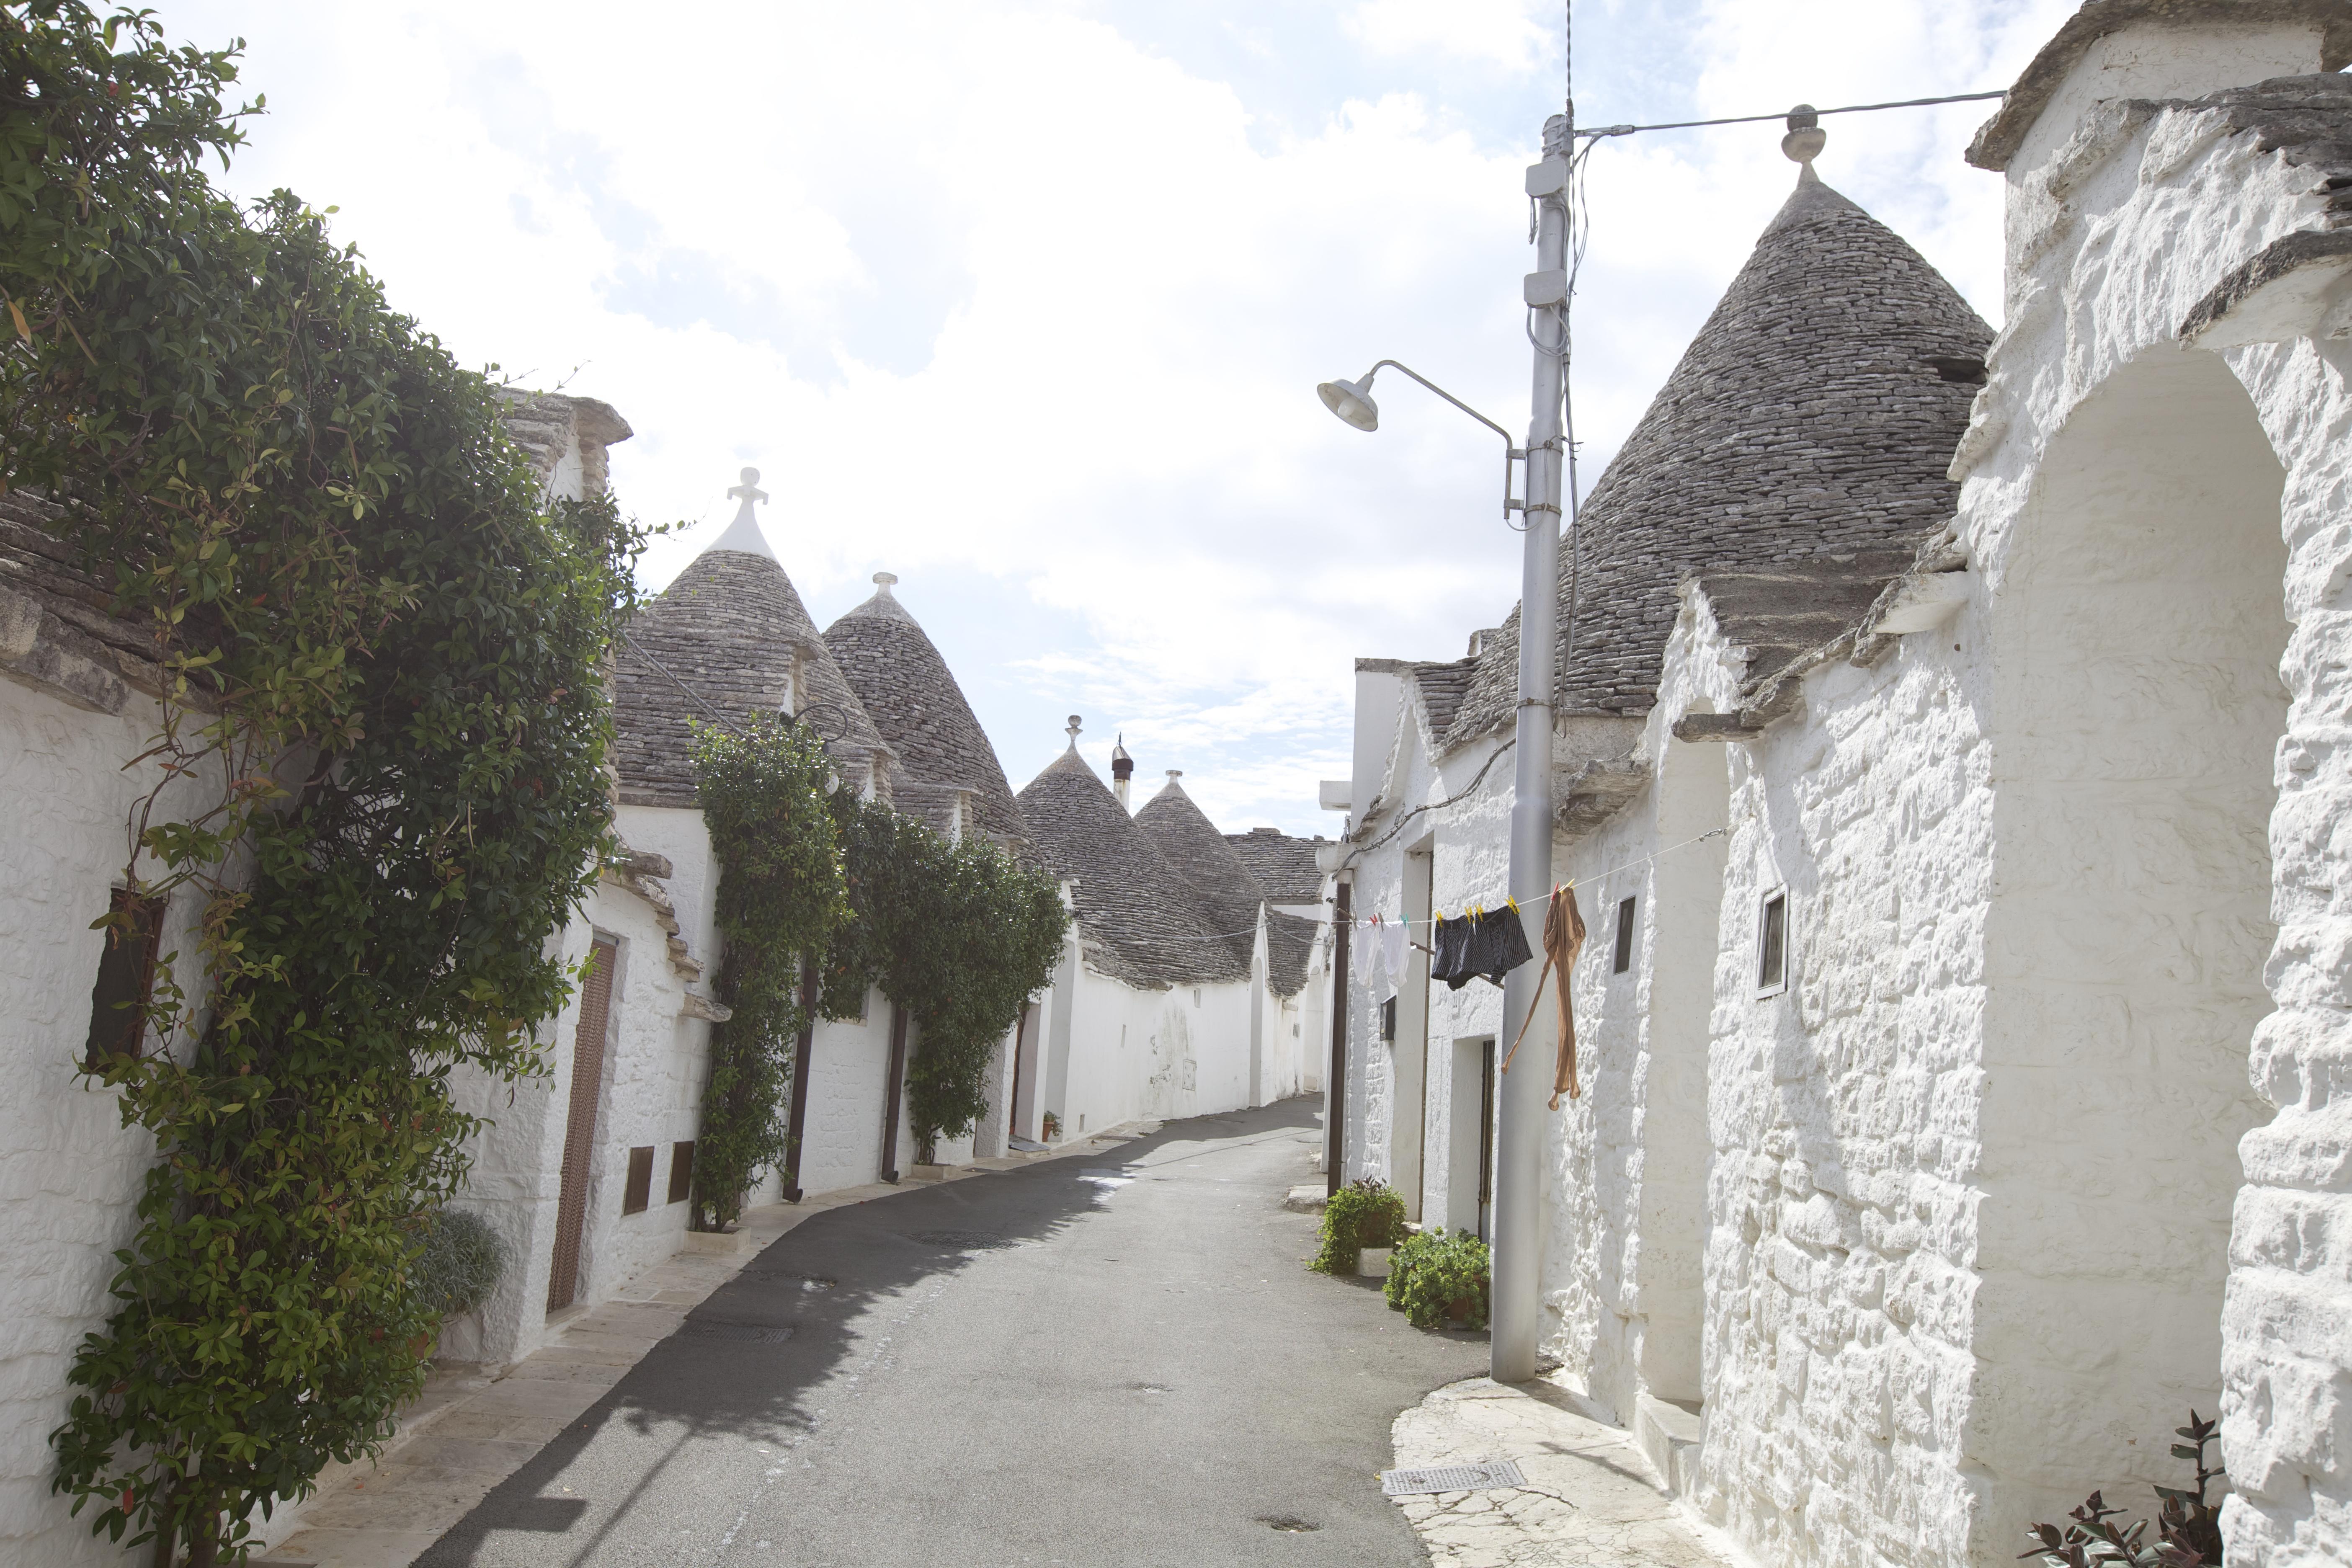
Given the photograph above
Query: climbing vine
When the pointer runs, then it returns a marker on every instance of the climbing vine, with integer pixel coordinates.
(961, 935)
(764, 795)
(383, 646)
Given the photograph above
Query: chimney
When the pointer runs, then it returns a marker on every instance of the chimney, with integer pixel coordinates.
(1122, 769)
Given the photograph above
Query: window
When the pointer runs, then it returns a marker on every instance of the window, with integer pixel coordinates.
(1388, 1020)
(126, 977)
(640, 1190)
(681, 1172)
(1772, 944)
(1624, 960)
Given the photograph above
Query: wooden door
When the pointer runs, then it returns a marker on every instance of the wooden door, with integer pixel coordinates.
(579, 1124)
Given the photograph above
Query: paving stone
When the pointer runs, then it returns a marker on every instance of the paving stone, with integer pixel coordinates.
(1591, 1497)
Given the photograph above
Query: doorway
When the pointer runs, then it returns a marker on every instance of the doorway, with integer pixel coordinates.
(2138, 708)
(1470, 1138)
(579, 1122)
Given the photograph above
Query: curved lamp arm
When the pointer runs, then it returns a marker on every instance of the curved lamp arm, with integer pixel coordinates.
(1351, 401)
(1489, 424)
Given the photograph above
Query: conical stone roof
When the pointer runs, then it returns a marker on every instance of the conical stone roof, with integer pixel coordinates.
(1816, 413)
(914, 700)
(1146, 924)
(1284, 866)
(727, 630)
(1200, 854)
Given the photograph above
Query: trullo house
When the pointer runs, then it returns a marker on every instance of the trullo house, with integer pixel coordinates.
(1950, 750)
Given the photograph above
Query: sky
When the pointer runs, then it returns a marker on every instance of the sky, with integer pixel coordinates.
(1025, 301)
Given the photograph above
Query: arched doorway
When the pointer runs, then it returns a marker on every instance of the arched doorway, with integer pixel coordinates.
(2135, 705)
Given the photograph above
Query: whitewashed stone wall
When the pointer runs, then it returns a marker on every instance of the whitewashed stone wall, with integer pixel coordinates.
(1843, 1115)
(69, 1171)
(1134, 1054)
(2119, 224)
(1970, 1243)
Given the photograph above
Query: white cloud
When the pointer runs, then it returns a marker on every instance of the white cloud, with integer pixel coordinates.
(1515, 36)
(1028, 309)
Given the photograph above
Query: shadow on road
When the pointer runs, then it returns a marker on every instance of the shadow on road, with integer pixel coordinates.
(748, 1362)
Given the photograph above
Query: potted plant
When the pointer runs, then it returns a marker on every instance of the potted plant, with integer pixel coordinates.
(1053, 1127)
(1436, 1279)
(1365, 1216)
(457, 1265)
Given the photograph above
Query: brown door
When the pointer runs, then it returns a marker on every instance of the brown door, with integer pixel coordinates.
(1017, 1101)
(579, 1124)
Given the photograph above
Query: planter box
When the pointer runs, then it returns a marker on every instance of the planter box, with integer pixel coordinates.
(922, 1173)
(1372, 1262)
(721, 1242)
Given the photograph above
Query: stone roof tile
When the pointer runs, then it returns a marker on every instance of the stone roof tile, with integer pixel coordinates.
(1815, 413)
(729, 630)
(1284, 866)
(1201, 855)
(1147, 924)
(913, 698)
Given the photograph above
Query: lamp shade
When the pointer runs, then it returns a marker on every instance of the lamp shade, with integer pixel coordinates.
(1351, 401)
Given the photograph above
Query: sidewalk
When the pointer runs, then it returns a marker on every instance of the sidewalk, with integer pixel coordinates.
(467, 1432)
(1592, 1497)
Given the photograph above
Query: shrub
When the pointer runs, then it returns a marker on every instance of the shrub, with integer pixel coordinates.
(459, 1263)
(2188, 1527)
(1366, 1213)
(1432, 1271)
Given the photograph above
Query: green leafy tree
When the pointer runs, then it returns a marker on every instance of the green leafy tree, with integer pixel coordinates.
(765, 799)
(387, 646)
(961, 935)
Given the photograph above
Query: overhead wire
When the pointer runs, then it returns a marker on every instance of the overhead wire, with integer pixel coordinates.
(1597, 131)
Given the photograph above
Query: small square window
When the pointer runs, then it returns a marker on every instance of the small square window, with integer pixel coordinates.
(1624, 959)
(126, 978)
(1772, 944)
(640, 1190)
(1388, 1020)
(681, 1172)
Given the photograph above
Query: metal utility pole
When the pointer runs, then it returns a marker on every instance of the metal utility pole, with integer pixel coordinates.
(1516, 1288)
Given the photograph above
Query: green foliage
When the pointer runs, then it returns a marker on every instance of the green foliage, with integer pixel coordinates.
(781, 895)
(1365, 1213)
(385, 649)
(961, 935)
(1432, 1273)
(458, 1261)
(2189, 1525)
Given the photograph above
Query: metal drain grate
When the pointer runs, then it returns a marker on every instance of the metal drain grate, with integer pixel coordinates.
(1451, 1478)
(740, 1333)
(962, 1240)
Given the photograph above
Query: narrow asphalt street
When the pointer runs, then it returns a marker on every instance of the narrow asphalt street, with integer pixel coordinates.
(1078, 1363)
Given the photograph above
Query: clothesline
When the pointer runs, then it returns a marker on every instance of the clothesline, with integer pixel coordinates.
(1477, 907)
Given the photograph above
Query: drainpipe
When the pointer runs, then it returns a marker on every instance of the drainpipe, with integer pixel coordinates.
(1335, 1090)
(894, 1092)
(805, 1048)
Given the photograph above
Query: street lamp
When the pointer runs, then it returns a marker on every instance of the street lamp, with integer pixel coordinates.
(1352, 402)
(1519, 1152)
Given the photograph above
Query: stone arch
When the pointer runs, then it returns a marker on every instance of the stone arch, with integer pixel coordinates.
(2136, 704)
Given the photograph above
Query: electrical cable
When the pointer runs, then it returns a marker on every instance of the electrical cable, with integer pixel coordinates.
(1600, 130)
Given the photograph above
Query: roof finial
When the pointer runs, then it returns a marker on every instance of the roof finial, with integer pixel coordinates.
(1074, 732)
(882, 581)
(749, 491)
(1175, 774)
(1805, 139)
(743, 534)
